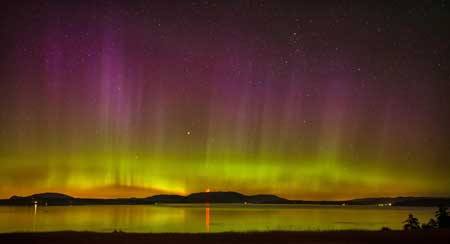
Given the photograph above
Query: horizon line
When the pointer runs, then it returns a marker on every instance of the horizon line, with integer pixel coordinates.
(209, 192)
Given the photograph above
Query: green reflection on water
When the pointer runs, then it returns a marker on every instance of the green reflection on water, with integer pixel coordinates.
(205, 218)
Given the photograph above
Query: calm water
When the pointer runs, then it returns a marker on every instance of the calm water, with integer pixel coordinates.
(205, 218)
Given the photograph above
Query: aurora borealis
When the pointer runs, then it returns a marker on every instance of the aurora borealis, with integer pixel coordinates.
(135, 98)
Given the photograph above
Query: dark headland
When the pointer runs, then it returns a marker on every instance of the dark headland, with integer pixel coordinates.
(59, 199)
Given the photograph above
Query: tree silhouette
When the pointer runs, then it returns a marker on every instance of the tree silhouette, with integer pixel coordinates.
(412, 223)
(432, 224)
(443, 219)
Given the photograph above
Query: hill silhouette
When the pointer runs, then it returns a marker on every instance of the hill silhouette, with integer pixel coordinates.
(46, 195)
(51, 198)
(216, 197)
(165, 199)
(41, 198)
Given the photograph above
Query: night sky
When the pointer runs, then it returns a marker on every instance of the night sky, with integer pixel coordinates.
(135, 98)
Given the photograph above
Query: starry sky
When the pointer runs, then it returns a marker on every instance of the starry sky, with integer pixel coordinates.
(330, 100)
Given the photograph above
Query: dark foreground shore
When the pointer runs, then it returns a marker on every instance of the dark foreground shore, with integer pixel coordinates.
(403, 237)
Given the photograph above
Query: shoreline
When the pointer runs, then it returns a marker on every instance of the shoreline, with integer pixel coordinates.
(351, 236)
(221, 197)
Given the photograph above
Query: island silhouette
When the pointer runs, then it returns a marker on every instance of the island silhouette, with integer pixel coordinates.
(59, 199)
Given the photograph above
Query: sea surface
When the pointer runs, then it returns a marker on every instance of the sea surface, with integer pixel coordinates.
(205, 217)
